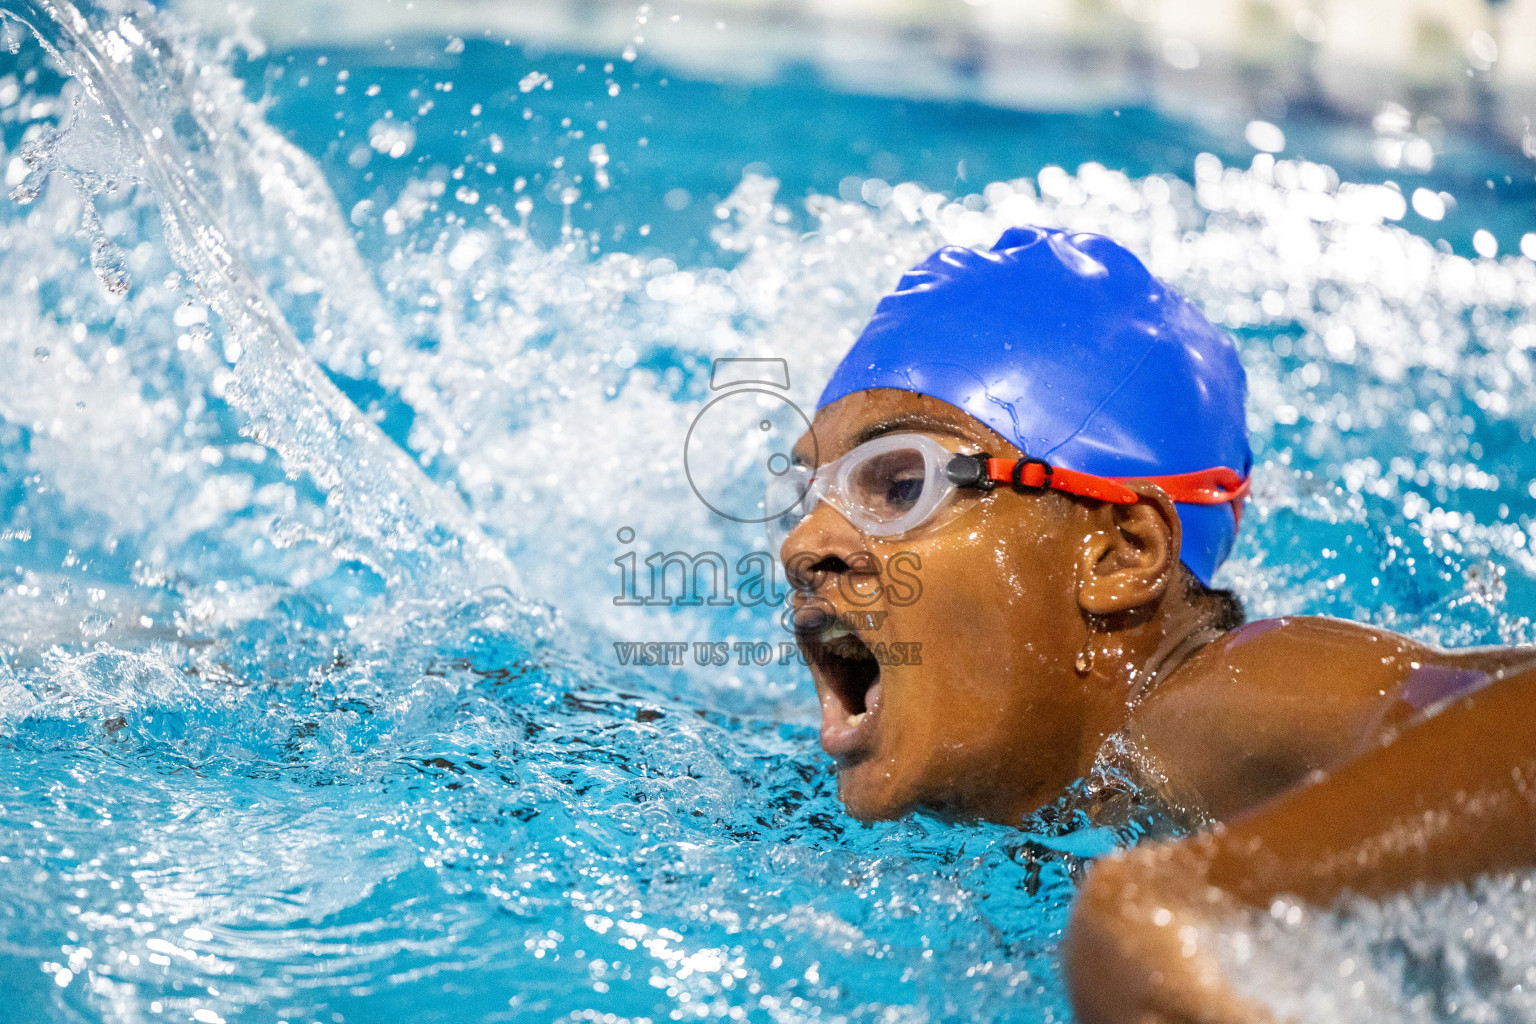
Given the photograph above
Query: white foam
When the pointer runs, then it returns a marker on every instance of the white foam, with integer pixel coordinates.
(1464, 953)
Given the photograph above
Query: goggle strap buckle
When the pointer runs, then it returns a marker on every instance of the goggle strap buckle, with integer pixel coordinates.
(1054, 478)
(1016, 477)
(971, 471)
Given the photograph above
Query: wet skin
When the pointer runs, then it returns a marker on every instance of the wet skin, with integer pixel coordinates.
(1449, 798)
(1048, 624)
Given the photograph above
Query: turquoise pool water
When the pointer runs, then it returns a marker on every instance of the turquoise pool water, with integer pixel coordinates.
(323, 442)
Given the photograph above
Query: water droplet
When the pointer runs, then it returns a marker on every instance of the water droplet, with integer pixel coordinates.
(111, 266)
(41, 353)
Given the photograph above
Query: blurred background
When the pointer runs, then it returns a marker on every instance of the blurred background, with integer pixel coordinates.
(1412, 65)
(1435, 98)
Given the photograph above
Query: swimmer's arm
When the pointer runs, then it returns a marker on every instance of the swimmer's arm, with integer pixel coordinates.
(1452, 797)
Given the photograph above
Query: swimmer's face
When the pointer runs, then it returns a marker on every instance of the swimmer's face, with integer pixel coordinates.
(963, 698)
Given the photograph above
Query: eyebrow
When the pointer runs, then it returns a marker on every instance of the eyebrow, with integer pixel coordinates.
(904, 421)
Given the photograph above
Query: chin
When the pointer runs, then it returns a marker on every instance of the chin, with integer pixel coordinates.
(866, 794)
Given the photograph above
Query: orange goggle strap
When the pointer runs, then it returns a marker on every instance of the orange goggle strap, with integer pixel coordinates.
(1217, 486)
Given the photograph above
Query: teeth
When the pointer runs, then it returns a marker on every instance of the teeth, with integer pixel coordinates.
(854, 719)
(838, 629)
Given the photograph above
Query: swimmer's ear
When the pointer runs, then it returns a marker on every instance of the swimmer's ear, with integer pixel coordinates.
(1129, 559)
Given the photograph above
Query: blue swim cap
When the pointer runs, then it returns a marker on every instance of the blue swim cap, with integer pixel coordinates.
(1068, 347)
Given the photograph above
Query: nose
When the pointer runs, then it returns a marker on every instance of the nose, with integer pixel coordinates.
(823, 548)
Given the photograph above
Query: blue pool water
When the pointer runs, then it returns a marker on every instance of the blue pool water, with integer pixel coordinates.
(323, 442)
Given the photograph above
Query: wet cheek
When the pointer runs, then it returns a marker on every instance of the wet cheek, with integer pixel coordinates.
(1029, 564)
(974, 624)
(973, 617)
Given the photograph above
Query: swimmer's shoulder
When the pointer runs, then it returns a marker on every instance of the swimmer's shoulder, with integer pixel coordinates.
(1261, 707)
(1297, 663)
(1304, 651)
(1337, 661)
(1266, 705)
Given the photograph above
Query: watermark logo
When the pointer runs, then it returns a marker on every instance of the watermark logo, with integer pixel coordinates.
(718, 654)
(744, 436)
(686, 579)
(751, 424)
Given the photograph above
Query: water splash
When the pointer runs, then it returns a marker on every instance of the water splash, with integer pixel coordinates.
(1449, 953)
(165, 132)
(90, 154)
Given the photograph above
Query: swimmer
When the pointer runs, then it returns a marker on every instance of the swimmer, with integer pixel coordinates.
(1055, 444)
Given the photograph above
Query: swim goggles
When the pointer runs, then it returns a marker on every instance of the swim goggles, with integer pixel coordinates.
(895, 483)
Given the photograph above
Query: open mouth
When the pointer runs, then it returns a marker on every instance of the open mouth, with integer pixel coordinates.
(847, 681)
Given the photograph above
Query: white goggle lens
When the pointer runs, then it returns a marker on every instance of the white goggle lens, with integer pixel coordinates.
(884, 487)
(889, 485)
